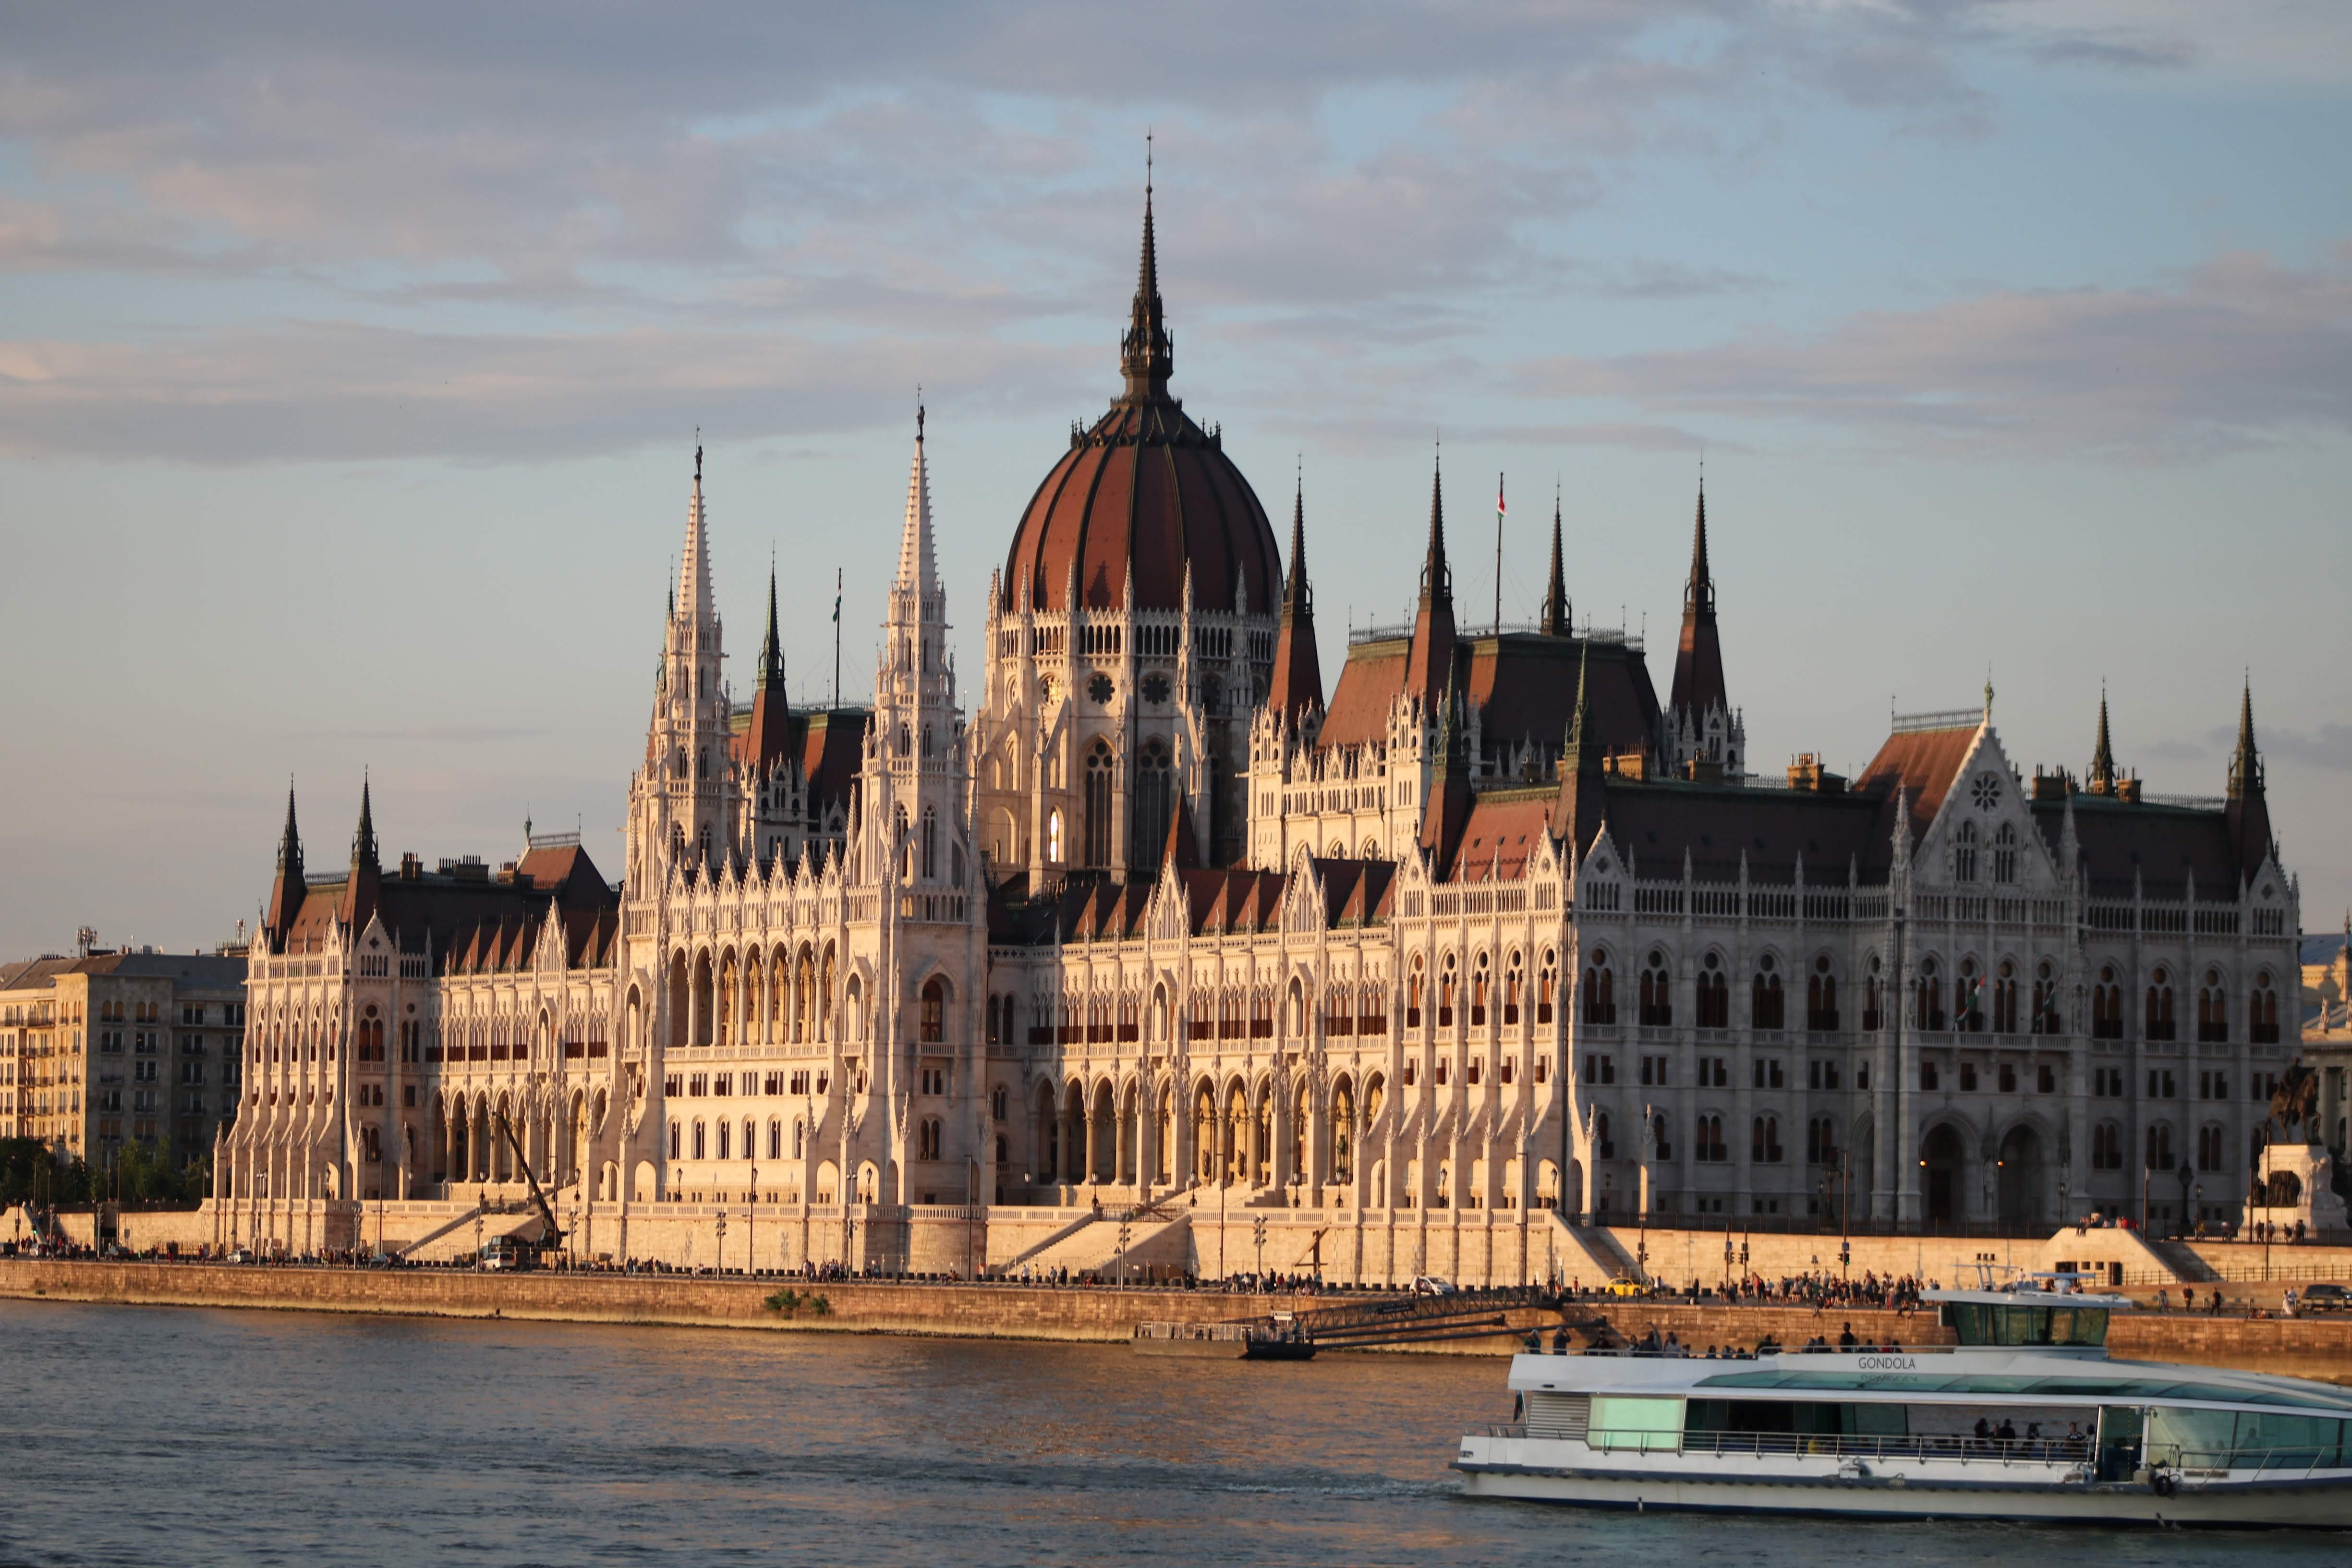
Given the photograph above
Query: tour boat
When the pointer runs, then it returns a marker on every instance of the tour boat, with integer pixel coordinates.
(2025, 1418)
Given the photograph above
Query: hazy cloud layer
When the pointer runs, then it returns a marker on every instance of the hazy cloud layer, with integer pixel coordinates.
(536, 229)
(2240, 351)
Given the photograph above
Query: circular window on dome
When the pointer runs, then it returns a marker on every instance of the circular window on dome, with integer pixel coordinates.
(1099, 687)
(1155, 688)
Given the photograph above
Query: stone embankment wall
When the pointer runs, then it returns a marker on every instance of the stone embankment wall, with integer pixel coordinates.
(2304, 1347)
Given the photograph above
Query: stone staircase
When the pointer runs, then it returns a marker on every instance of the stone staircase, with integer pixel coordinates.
(1093, 1246)
(1587, 1253)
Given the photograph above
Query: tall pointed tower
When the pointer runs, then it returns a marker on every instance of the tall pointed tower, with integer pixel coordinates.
(2102, 777)
(286, 892)
(1429, 668)
(684, 805)
(2248, 810)
(1703, 735)
(1297, 687)
(915, 749)
(1559, 615)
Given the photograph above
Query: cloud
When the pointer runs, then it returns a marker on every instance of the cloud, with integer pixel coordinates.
(339, 391)
(2242, 352)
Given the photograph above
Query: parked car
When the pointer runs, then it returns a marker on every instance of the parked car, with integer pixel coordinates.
(1431, 1285)
(241, 1255)
(1624, 1285)
(2319, 1299)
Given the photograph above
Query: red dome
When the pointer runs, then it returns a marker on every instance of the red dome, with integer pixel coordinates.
(1142, 494)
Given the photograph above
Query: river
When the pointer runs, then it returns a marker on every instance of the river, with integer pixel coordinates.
(159, 1435)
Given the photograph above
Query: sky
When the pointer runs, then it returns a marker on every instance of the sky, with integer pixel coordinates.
(351, 361)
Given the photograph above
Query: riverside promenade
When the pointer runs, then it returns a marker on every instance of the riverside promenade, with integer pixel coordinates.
(2318, 1348)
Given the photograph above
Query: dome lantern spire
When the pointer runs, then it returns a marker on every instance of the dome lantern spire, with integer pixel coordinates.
(1146, 356)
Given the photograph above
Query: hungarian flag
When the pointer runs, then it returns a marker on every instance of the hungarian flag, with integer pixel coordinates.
(1499, 508)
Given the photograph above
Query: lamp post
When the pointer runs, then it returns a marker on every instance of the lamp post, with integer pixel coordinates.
(2147, 1174)
(720, 1267)
(2182, 1226)
(752, 1224)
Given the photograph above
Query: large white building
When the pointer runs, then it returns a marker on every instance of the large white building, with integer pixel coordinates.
(1488, 943)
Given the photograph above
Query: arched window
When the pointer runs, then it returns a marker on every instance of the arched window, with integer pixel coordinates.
(1478, 981)
(1968, 998)
(2045, 998)
(725, 1150)
(2159, 1145)
(2213, 1009)
(1547, 982)
(2107, 1007)
(2004, 854)
(1054, 835)
(935, 1011)
(1874, 997)
(1098, 804)
(2106, 1147)
(1446, 982)
(1600, 990)
(1412, 986)
(1764, 1140)
(677, 1130)
(1511, 978)
(931, 843)
(2261, 1011)
(1714, 994)
(1710, 1147)
(1766, 999)
(1929, 1012)
(926, 1143)
(775, 1138)
(1821, 997)
(2004, 998)
(1657, 993)
(2211, 1154)
(1964, 853)
(2159, 1008)
(1821, 1142)
(1154, 795)
(1660, 1145)
(699, 1146)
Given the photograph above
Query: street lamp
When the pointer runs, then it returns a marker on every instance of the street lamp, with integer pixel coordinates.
(751, 1226)
(722, 1266)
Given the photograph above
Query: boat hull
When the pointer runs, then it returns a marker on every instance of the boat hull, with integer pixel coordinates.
(2314, 1504)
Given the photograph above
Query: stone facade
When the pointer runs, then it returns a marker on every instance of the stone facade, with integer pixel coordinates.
(1488, 936)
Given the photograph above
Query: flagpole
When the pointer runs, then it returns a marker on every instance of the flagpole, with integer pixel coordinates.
(836, 637)
(1498, 554)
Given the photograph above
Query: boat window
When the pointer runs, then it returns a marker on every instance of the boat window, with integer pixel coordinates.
(2273, 1442)
(1982, 1323)
(1623, 1423)
(2192, 1439)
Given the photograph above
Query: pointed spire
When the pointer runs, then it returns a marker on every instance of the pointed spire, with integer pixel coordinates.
(2248, 810)
(290, 844)
(1559, 615)
(694, 564)
(2246, 765)
(364, 852)
(1429, 669)
(1698, 688)
(1436, 577)
(917, 569)
(1146, 358)
(2102, 779)
(1295, 684)
(1698, 591)
(771, 652)
(1580, 722)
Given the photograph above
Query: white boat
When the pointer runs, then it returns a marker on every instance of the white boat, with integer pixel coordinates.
(2026, 1418)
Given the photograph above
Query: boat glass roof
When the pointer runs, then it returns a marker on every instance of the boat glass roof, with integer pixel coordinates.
(2053, 1387)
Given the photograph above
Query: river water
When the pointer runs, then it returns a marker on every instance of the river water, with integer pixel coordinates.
(159, 1435)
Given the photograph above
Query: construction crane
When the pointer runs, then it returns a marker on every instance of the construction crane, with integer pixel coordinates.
(551, 1235)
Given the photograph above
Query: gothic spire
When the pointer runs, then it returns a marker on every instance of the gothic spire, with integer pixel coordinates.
(364, 852)
(693, 566)
(2248, 810)
(2102, 779)
(1699, 687)
(1559, 615)
(1296, 683)
(918, 568)
(1429, 669)
(771, 652)
(1146, 358)
(290, 844)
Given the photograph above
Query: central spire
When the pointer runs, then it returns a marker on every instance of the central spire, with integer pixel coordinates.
(918, 571)
(1558, 613)
(1146, 356)
(1429, 668)
(693, 566)
(772, 652)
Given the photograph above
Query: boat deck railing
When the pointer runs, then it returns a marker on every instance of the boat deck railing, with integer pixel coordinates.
(1763, 1444)
(1687, 1353)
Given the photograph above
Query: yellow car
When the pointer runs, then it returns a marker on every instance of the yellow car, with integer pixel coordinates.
(1621, 1285)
